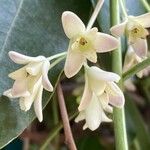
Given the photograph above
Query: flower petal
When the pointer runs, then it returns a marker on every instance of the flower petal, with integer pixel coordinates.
(144, 20)
(9, 94)
(34, 68)
(93, 114)
(129, 59)
(104, 100)
(118, 30)
(38, 104)
(18, 74)
(73, 64)
(91, 55)
(87, 96)
(140, 47)
(80, 117)
(45, 81)
(26, 102)
(116, 97)
(72, 24)
(20, 58)
(99, 74)
(20, 89)
(129, 85)
(104, 43)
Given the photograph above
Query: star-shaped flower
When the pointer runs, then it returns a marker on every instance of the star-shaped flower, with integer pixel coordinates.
(29, 81)
(135, 28)
(100, 94)
(83, 43)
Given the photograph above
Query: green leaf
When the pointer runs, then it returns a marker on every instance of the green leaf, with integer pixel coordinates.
(32, 27)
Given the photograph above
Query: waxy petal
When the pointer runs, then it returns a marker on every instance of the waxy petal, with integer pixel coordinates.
(129, 59)
(93, 114)
(34, 68)
(91, 56)
(23, 59)
(140, 47)
(72, 24)
(20, 89)
(144, 20)
(104, 100)
(18, 74)
(45, 81)
(73, 64)
(118, 30)
(104, 42)
(87, 96)
(80, 117)
(9, 94)
(99, 74)
(116, 97)
(38, 104)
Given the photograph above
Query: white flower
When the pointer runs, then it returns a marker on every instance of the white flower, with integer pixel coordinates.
(29, 81)
(135, 29)
(83, 43)
(100, 94)
(132, 59)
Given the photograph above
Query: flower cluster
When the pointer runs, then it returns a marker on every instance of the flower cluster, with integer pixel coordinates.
(101, 92)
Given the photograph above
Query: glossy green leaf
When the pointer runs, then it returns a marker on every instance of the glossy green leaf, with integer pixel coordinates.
(32, 27)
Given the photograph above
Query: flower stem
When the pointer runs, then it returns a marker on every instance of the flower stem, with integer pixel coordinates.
(123, 8)
(68, 134)
(146, 5)
(118, 114)
(136, 69)
(56, 56)
(95, 13)
(55, 131)
(56, 62)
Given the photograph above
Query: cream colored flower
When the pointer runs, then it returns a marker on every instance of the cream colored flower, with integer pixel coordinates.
(132, 59)
(135, 29)
(29, 81)
(83, 43)
(100, 94)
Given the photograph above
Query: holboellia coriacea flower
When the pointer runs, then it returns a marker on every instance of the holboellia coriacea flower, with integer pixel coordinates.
(100, 94)
(83, 43)
(135, 28)
(29, 81)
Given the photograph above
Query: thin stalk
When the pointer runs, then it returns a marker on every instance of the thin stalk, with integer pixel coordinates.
(55, 131)
(118, 114)
(64, 115)
(95, 13)
(146, 5)
(57, 55)
(57, 61)
(55, 119)
(123, 8)
(136, 69)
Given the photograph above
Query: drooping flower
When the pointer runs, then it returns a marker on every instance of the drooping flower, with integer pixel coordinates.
(83, 43)
(100, 94)
(135, 28)
(132, 59)
(29, 81)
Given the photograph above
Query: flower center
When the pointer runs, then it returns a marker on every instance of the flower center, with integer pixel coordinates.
(135, 30)
(82, 44)
(82, 41)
